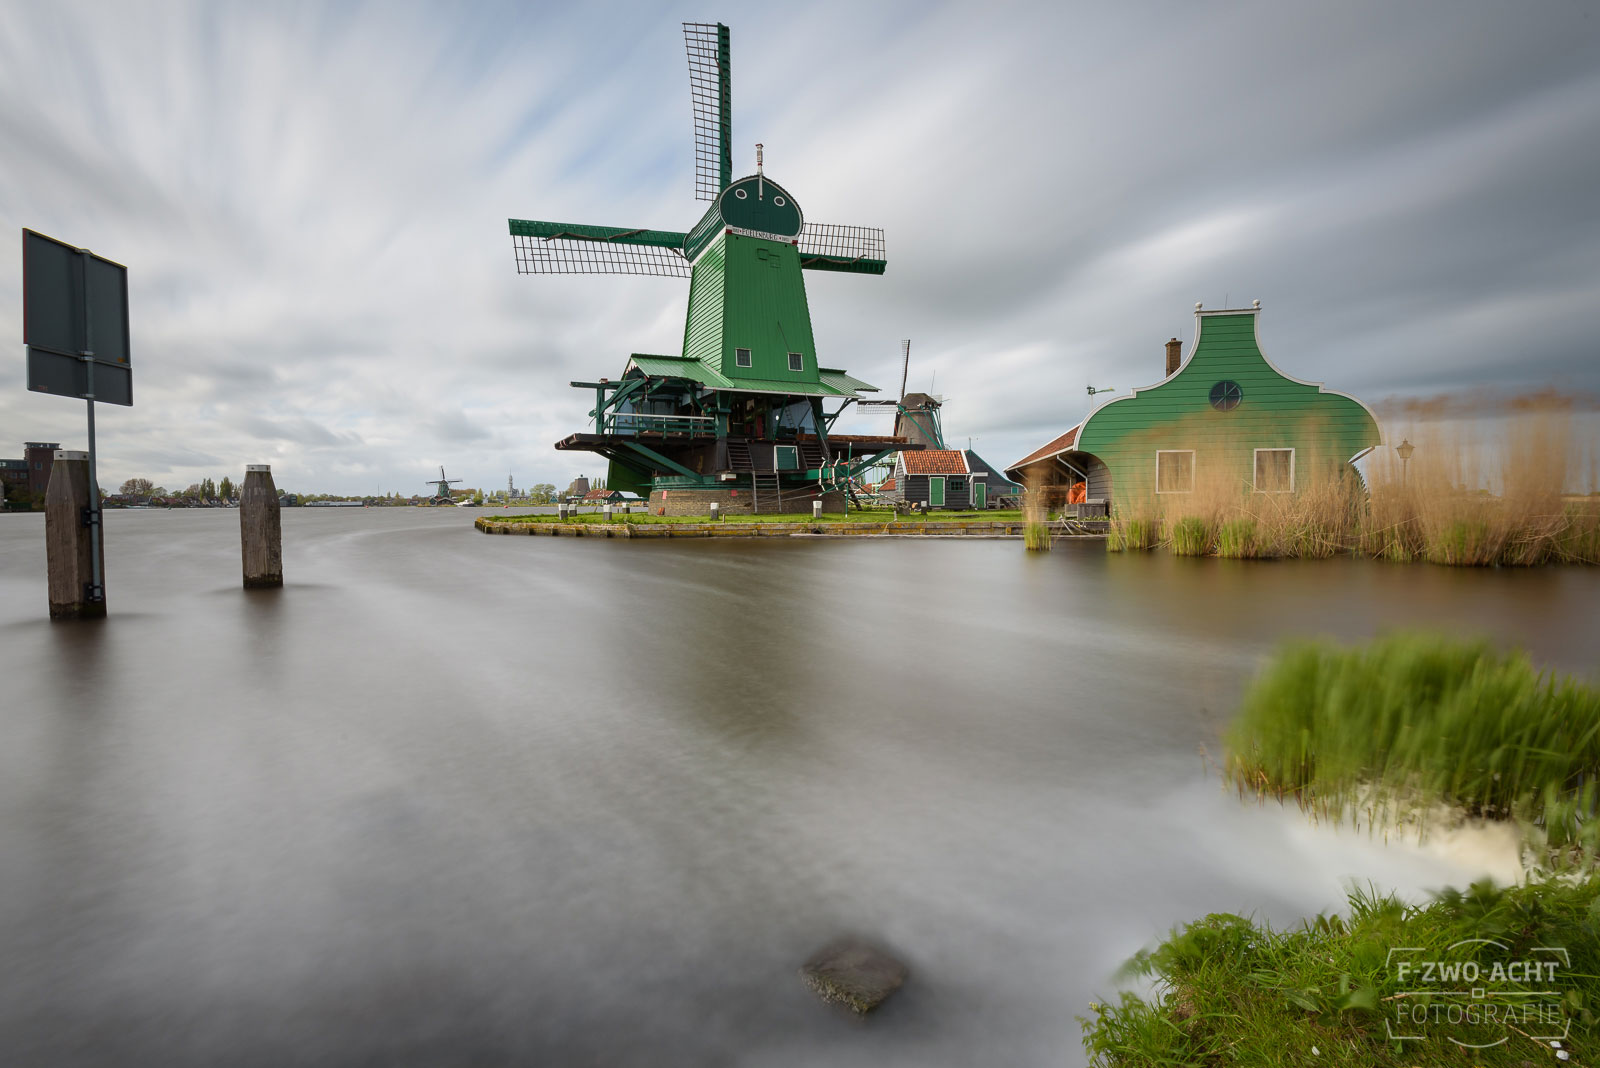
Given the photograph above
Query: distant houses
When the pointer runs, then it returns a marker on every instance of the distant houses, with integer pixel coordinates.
(1224, 420)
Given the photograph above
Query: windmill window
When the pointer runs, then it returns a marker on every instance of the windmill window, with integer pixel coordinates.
(1226, 395)
(1274, 470)
(797, 362)
(1174, 470)
(741, 357)
(778, 201)
(741, 194)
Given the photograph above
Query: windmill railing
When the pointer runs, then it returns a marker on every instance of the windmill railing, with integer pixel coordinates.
(645, 423)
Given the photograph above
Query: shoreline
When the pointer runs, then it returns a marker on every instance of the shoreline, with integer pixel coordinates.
(620, 528)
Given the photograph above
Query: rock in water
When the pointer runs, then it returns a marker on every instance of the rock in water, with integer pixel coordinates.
(853, 973)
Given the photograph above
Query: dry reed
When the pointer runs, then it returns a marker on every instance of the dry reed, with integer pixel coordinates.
(1479, 490)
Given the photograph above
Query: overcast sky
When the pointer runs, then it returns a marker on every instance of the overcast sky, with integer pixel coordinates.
(312, 199)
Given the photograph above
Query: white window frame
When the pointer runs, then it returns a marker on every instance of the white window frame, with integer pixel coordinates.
(795, 357)
(1163, 452)
(1255, 469)
(746, 361)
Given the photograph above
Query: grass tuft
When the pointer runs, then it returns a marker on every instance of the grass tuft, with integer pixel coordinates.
(1414, 721)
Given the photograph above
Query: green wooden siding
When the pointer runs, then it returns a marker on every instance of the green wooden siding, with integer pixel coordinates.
(702, 332)
(1326, 430)
(749, 293)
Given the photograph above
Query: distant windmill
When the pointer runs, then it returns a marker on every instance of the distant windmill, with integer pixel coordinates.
(916, 415)
(441, 494)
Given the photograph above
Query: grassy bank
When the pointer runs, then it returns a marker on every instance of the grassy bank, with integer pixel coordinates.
(827, 517)
(1411, 722)
(1229, 991)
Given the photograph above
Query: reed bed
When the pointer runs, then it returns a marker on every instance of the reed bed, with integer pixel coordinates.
(1410, 722)
(1512, 488)
(1035, 514)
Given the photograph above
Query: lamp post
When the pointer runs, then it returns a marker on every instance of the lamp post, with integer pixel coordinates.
(1405, 449)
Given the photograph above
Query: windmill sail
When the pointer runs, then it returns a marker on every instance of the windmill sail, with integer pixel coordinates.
(830, 247)
(711, 97)
(573, 248)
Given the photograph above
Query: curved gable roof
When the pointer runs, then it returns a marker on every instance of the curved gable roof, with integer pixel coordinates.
(1231, 342)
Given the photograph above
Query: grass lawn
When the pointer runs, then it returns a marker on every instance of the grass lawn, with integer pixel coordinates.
(801, 518)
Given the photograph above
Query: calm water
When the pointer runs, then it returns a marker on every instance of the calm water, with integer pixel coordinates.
(456, 799)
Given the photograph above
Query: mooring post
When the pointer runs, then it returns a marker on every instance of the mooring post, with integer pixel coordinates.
(563, 510)
(75, 571)
(716, 511)
(607, 511)
(260, 529)
(816, 508)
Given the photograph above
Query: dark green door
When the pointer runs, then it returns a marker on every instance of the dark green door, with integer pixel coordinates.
(980, 494)
(936, 492)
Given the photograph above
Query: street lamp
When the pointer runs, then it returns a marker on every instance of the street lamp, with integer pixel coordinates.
(1405, 449)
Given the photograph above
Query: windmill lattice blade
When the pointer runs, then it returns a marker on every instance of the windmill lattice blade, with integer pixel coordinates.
(905, 365)
(711, 98)
(573, 248)
(828, 246)
(565, 255)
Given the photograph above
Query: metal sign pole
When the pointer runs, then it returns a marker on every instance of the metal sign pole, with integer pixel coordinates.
(97, 588)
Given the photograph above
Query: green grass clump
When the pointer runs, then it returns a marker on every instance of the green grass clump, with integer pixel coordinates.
(1236, 539)
(1135, 534)
(1036, 536)
(1189, 536)
(1412, 721)
(1229, 991)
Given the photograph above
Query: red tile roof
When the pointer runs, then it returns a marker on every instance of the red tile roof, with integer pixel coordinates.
(598, 495)
(1059, 445)
(935, 462)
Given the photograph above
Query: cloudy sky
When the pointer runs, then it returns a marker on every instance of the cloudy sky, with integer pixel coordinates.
(311, 201)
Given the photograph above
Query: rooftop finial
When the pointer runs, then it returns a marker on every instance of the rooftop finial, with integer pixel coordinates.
(1197, 305)
(761, 183)
(1256, 303)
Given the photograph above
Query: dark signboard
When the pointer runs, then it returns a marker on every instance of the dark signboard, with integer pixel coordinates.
(75, 303)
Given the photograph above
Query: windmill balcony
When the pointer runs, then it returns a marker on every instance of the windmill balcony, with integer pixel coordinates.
(635, 424)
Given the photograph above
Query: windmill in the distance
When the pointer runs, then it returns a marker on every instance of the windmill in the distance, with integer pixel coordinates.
(441, 485)
(737, 417)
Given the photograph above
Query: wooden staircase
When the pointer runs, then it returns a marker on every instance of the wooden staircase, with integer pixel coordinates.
(765, 482)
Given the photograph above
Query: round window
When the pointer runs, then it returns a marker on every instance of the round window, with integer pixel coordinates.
(740, 193)
(1226, 395)
(778, 201)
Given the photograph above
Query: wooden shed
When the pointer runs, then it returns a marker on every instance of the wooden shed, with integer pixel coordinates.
(940, 477)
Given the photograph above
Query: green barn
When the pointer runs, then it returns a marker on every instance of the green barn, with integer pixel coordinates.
(1224, 419)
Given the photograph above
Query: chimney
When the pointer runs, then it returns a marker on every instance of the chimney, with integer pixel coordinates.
(1174, 355)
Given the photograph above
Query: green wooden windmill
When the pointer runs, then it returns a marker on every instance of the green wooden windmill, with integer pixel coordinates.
(738, 416)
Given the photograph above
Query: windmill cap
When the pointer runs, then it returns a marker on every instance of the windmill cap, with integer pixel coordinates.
(758, 203)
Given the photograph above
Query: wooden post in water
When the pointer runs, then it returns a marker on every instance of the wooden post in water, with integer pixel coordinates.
(69, 548)
(260, 529)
